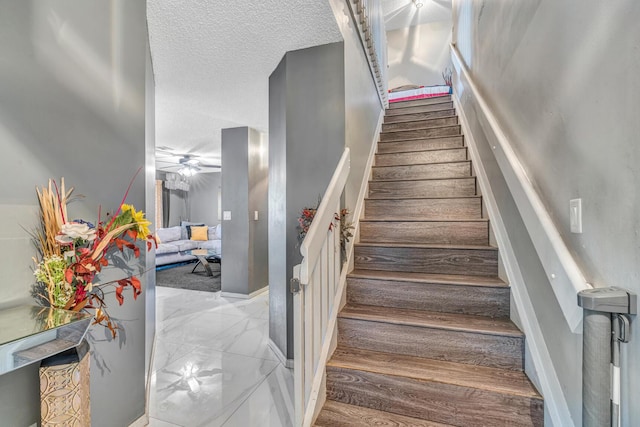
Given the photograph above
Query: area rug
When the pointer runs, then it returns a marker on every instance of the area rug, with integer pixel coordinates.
(181, 277)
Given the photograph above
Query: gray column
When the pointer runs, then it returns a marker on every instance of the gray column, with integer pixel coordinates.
(244, 196)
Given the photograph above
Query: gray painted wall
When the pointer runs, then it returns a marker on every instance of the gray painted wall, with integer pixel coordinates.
(561, 78)
(244, 191)
(72, 104)
(150, 206)
(418, 54)
(306, 140)
(203, 197)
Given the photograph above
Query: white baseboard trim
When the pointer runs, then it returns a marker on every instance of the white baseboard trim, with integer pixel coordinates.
(245, 296)
(554, 398)
(288, 363)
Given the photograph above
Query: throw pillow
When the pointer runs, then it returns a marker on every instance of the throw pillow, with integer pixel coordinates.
(199, 233)
(189, 229)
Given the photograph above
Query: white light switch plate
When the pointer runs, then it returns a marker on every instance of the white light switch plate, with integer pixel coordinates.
(575, 215)
(226, 216)
(255, 215)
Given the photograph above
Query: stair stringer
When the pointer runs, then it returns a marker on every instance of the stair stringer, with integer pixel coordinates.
(556, 407)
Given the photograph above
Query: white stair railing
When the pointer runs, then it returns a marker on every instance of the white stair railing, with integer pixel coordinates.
(316, 300)
(369, 20)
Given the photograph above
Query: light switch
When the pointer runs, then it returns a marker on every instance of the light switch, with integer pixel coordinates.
(226, 216)
(255, 215)
(575, 215)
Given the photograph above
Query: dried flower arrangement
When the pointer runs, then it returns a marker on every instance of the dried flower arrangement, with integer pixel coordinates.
(72, 253)
(346, 227)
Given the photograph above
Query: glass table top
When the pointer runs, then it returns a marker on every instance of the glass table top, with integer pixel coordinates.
(30, 333)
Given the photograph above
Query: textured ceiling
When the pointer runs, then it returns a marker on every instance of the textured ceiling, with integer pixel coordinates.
(403, 13)
(212, 60)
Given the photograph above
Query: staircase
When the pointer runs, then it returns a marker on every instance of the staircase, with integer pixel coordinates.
(425, 338)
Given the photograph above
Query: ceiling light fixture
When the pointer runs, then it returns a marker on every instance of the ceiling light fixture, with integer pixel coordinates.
(418, 3)
(188, 171)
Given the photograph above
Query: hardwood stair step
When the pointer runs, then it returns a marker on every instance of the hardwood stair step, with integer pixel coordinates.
(420, 124)
(461, 338)
(337, 414)
(417, 102)
(422, 157)
(400, 135)
(450, 232)
(473, 295)
(438, 391)
(469, 207)
(446, 187)
(452, 169)
(421, 144)
(419, 109)
(434, 259)
(409, 117)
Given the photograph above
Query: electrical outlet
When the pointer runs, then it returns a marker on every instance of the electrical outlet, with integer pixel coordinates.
(226, 216)
(575, 215)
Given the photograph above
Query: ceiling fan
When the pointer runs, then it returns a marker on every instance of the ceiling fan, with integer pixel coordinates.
(185, 164)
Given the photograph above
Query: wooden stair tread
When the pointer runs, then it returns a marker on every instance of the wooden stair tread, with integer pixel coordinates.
(337, 414)
(410, 130)
(445, 279)
(451, 116)
(391, 219)
(421, 150)
(429, 319)
(401, 107)
(425, 138)
(427, 246)
(472, 376)
(424, 180)
(419, 164)
(427, 198)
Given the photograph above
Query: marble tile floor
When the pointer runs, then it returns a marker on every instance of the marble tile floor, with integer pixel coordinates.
(213, 366)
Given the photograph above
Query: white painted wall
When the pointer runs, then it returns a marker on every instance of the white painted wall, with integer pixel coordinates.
(419, 53)
(561, 77)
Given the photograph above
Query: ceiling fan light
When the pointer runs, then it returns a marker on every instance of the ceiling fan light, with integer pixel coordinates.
(188, 171)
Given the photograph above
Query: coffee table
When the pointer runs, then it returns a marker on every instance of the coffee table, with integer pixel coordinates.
(205, 256)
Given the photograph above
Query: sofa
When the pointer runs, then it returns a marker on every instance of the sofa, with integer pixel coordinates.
(174, 242)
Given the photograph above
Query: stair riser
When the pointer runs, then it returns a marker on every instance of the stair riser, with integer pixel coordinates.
(475, 300)
(428, 171)
(432, 232)
(422, 124)
(421, 157)
(419, 116)
(416, 189)
(444, 403)
(417, 102)
(428, 260)
(420, 133)
(463, 208)
(420, 109)
(497, 351)
(421, 144)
